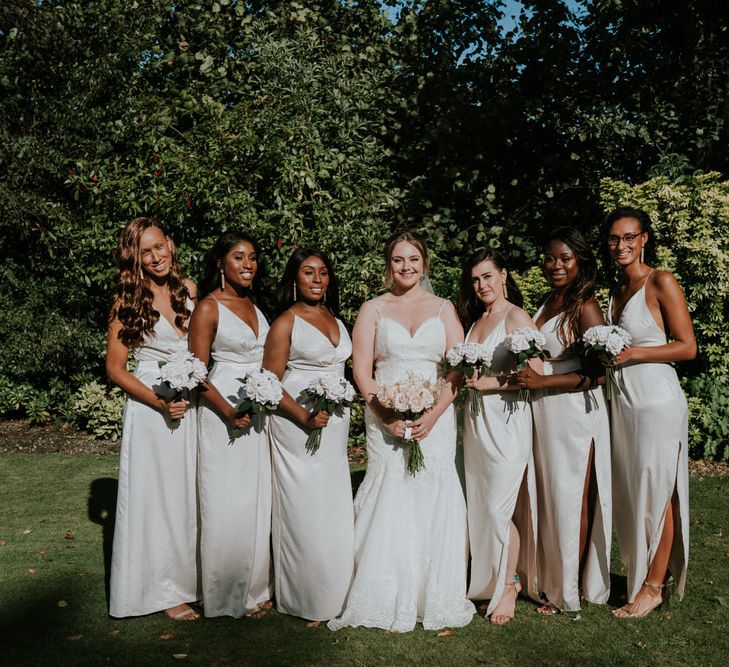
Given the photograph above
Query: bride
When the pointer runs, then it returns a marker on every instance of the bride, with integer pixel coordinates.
(410, 530)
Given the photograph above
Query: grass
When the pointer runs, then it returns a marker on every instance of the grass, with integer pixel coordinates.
(56, 516)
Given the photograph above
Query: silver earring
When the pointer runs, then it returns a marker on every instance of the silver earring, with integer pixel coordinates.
(642, 254)
(324, 298)
(504, 290)
(222, 280)
(294, 291)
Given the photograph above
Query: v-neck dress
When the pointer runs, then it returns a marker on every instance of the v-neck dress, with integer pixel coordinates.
(154, 563)
(650, 453)
(566, 423)
(500, 483)
(234, 479)
(313, 519)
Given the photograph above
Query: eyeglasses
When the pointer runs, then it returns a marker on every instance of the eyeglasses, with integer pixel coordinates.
(629, 239)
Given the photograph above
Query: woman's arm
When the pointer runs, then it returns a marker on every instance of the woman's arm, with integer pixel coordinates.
(677, 321)
(592, 373)
(275, 356)
(201, 334)
(117, 355)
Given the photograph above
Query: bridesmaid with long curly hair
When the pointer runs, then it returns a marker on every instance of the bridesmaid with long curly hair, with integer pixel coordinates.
(649, 417)
(153, 564)
(571, 434)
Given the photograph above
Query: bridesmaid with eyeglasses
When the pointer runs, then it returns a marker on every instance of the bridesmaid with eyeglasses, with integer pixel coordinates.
(649, 417)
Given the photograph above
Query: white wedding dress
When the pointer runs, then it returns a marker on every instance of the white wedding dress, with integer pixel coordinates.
(411, 539)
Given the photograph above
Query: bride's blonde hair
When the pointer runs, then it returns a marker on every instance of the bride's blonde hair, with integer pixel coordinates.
(414, 239)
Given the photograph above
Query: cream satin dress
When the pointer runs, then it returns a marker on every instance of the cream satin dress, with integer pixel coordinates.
(566, 423)
(154, 564)
(234, 478)
(500, 483)
(650, 453)
(313, 519)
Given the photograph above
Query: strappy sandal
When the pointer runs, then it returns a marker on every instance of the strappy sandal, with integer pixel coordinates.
(623, 612)
(186, 614)
(517, 589)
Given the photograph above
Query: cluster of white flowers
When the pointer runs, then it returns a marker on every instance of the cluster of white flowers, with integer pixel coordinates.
(608, 337)
(520, 340)
(183, 370)
(263, 389)
(411, 397)
(472, 354)
(332, 388)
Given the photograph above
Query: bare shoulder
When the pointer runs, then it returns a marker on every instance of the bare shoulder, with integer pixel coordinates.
(591, 309)
(282, 326)
(517, 318)
(191, 288)
(663, 281)
(444, 306)
(208, 307)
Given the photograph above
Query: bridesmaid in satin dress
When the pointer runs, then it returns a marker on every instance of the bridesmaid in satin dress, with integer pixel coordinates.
(649, 416)
(571, 435)
(313, 516)
(234, 463)
(497, 445)
(153, 565)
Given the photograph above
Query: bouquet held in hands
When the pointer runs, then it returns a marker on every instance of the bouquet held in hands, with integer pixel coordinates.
(330, 393)
(526, 343)
(182, 372)
(471, 358)
(607, 341)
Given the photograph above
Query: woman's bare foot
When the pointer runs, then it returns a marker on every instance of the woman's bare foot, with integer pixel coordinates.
(504, 611)
(548, 609)
(182, 612)
(268, 604)
(649, 597)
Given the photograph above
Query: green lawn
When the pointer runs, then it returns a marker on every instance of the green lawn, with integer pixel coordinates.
(55, 526)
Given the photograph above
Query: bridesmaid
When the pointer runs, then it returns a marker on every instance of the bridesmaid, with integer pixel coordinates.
(497, 445)
(649, 416)
(571, 435)
(234, 466)
(153, 565)
(313, 518)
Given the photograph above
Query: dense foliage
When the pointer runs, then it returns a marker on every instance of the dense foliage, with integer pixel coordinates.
(333, 123)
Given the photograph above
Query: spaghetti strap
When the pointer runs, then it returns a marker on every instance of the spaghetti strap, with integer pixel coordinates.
(377, 308)
(442, 305)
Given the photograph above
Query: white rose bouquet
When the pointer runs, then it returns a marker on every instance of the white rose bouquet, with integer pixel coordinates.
(262, 392)
(526, 343)
(411, 398)
(607, 341)
(327, 392)
(182, 372)
(470, 358)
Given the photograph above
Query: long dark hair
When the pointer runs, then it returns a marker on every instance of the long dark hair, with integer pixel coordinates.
(470, 307)
(646, 225)
(132, 298)
(583, 287)
(217, 253)
(285, 292)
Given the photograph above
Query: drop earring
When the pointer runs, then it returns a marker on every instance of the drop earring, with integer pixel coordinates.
(294, 291)
(642, 254)
(222, 280)
(505, 290)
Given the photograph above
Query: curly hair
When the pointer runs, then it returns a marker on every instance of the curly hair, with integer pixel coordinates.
(470, 307)
(216, 255)
(583, 287)
(132, 298)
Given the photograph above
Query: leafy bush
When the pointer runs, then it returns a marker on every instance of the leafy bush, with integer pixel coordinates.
(99, 410)
(691, 220)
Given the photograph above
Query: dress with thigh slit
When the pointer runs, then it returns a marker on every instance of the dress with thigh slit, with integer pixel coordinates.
(650, 453)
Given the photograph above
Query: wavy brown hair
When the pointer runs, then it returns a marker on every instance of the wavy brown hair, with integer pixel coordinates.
(583, 286)
(413, 238)
(132, 298)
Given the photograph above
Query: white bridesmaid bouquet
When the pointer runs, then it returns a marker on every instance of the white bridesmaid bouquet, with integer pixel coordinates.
(182, 372)
(411, 398)
(526, 343)
(607, 341)
(471, 358)
(327, 392)
(262, 392)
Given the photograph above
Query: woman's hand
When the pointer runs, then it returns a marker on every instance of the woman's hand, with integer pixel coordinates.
(477, 381)
(423, 425)
(317, 419)
(240, 420)
(174, 409)
(628, 354)
(528, 378)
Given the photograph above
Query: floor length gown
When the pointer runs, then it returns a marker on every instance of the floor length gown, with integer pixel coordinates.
(497, 450)
(234, 478)
(566, 423)
(313, 532)
(410, 533)
(650, 453)
(154, 555)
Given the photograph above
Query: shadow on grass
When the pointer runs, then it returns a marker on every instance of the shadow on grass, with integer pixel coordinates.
(102, 511)
(618, 590)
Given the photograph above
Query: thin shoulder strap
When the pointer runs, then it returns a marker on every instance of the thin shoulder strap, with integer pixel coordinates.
(377, 308)
(442, 305)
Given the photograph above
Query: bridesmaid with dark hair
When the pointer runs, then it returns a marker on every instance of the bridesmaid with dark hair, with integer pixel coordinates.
(153, 566)
(313, 517)
(497, 445)
(571, 434)
(234, 468)
(649, 416)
